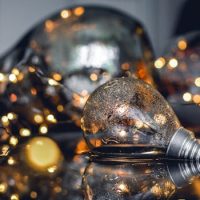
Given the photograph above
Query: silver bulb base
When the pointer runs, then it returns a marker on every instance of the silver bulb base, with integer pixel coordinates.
(184, 145)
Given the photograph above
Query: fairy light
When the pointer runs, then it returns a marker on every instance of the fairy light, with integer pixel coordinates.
(38, 118)
(196, 98)
(187, 96)
(13, 141)
(57, 77)
(11, 160)
(65, 14)
(5, 150)
(49, 25)
(51, 118)
(2, 77)
(24, 132)
(14, 197)
(33, 195)
(12, 78)
(4, 120)
(197, 82)
(15, 71)
(93, 77)
(159, 63)
(52, 82)
(43, 129)
(60, 108)
(3, 187)
(13, 97)
(52, 169)
(182, 44)
(173, 62)
(31, 69)
(11, 116)
(79, 11)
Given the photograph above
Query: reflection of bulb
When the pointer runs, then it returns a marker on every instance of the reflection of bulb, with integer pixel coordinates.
(42, 154)
(126, 114)
(138, 180)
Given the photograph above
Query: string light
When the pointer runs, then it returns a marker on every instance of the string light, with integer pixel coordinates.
(159, 63)
(43, 129)
(79, 11)
(187, 96)
(38, 118)
(24, 132)
(14, 197)
(12, 78)
(182, 44)
(13, 141)
(65, 14)
(2, 77)
(173, 62)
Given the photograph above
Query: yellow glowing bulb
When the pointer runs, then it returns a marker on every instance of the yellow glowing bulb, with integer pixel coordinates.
(43, 154)
(11, 116)
(60, 108)
(14, 197)
(15, 71)
(5, 150)
(79, 11)
(93, 77)
(38, 118)
(2, 77)
(24, 132)
(159, 63)
(43, 129)
(13, 141)
(12, 78)
(187, 96)
(3, 187)
(173, 62)
(57, 77)
(31, 69)
(196, 98)
(197, 82)
(51, 118)
(33, 195)
(182, 44)
(11, 161)
(52, 82)
(65, 14)
(5, 120)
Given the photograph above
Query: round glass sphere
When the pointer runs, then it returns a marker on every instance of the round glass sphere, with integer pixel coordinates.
(85, 47)
(127, 116)
(179, 76)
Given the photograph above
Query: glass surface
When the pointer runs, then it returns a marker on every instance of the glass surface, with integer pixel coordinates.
(126, 116)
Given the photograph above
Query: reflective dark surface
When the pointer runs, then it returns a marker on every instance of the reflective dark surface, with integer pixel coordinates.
(77, 177)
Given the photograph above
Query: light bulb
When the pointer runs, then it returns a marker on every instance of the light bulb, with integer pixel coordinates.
(128, 117)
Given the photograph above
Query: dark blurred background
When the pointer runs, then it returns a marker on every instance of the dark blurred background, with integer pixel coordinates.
(160, 17)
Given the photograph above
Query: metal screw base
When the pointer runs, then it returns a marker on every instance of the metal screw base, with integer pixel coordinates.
(184, 145)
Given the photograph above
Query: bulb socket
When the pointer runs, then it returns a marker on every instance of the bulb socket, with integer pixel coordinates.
(184, 145)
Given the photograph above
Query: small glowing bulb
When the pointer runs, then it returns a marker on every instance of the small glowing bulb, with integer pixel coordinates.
(13, 141)
(24, 132)
(5, 150)
(11, 161)
(57, 77)
(196, 98)
(38, 118)
(65, 14)
(5, 120)
(187, 96)
(15, 71)
(43, 129)
(93, 77)
(2, 77)
(33, 195)
(159, 63)
(60, 108)
(51, 118)
(12, 78)
(79, 11)
(49, 25)
(14, 197)
(197, 82)
(182, 44)
(43, 154)
(31, 69)
(173, 62)
(52, 82)
(3, 187)
(11, 116)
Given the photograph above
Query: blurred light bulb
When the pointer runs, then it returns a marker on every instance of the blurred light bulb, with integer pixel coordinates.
(43, 154)
(111, 117)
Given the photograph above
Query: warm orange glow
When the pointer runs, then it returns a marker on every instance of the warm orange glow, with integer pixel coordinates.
(33, 91)
(49, 25)
(81, 147)
(60, 108)
(13, 97)
(125, 66)
(79, 11)
(93, 77)
(57, 77)
(33, 195)
(31, 69)
(182, 44)
(38, 118)
(196, 98)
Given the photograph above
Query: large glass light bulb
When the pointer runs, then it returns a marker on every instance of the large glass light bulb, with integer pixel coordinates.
(128, 117)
